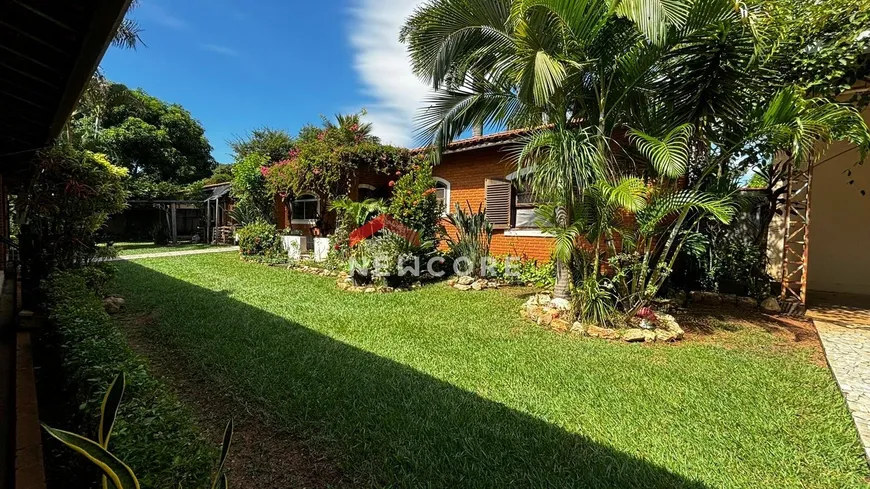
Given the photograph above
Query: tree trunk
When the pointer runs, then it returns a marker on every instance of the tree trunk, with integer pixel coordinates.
(563, 270)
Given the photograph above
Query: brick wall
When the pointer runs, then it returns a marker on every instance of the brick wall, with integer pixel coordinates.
(467, 172)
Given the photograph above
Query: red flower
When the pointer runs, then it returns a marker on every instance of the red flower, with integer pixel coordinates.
(646, 313)
(398, 173)
(264, 170)
(354, 127)
(391, 183)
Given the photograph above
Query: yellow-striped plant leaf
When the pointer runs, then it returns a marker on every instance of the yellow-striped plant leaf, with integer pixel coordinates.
(109, 409)
(219, 477)
(115, 470)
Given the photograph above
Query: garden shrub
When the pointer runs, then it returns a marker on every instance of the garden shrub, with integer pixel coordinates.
(414, 202)
(66, 203)
(526, 271)
(248, 187)
(260, 241)
(79, 356)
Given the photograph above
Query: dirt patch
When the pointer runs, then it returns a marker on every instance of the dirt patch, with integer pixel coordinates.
(262, 456)
(731, 326)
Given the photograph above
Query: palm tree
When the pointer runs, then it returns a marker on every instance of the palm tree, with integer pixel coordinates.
(127, 35)
(580, 70)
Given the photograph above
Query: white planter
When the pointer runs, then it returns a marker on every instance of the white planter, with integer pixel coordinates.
(295, 246)
(321, 248)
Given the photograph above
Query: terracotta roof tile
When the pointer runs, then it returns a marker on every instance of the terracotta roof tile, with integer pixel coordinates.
(487, 140)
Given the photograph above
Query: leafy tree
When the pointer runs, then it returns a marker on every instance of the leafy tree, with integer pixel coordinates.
(819, 46)
(221, 174)
(149, 137)
(273, 143)
(249, 186)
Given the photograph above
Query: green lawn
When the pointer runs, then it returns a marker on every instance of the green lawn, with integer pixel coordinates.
(126, 249)
(444, 388)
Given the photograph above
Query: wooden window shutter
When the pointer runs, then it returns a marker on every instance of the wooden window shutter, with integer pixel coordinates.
(498, 203)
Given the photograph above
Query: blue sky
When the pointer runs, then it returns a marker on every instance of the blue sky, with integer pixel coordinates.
(238, 65)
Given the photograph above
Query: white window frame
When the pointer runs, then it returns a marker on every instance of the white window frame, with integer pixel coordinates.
(447, 208)
(309, 222)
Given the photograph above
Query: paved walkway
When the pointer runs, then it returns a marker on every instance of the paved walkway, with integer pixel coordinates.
(164, 254)
(843, 323)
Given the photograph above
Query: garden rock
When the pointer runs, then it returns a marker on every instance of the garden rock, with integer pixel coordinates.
(465, 280)
(578, 328)
(703, 297)
(668, 323)
(771, 305)
(462, 287)
(560, 325)
(599, 332)
(560, 304)
(479, 285)
(635, 335)
(665, 336)
(113, 305)
(748, 302)
(370, 290)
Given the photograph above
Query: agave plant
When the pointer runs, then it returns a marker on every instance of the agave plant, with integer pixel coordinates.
(473, 236)
(115, 471)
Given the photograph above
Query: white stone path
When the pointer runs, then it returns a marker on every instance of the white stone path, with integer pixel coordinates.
(220, 249)
(848, 353)
(843, 323)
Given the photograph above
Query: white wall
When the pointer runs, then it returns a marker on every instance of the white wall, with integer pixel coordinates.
(839, 259)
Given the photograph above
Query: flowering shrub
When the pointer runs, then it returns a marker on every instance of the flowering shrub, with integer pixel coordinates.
(414, 202)
(325, 158)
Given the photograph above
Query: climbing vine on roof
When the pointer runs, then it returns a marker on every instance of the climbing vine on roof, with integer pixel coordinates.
(325, 158)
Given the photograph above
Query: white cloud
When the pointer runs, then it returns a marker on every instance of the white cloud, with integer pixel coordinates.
(162, 16)
(383, 65)
(224, 50)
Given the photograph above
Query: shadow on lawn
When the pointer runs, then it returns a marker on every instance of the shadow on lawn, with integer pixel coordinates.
(386, 423)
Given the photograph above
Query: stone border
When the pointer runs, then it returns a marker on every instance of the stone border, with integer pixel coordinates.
(467, 282)
(556, 314)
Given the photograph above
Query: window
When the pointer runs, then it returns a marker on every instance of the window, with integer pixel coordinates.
(306, 208)
(524, 208)
(442, 193)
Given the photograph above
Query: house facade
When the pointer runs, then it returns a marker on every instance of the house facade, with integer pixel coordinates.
(473, 172)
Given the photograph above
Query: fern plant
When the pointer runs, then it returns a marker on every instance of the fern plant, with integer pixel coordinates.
(115, 471)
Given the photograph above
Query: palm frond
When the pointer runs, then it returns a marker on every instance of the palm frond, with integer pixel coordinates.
(672, 203)
(669, 155)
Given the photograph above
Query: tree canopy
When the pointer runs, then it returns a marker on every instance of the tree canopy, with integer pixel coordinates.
(274, 144)
(151, 138)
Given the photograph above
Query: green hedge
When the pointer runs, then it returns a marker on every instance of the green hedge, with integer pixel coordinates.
(155, 434)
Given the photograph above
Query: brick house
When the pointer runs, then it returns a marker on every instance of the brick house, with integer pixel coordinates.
(473, 172)
(478, 172)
